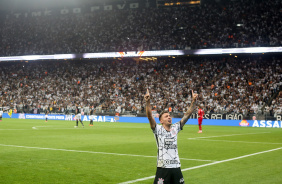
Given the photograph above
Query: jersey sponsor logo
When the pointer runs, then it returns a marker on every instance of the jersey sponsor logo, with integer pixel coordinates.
(166, 162)
(174, 146)
(169, 143)
(173, 162)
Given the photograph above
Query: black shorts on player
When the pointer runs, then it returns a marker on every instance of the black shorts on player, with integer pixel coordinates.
(169, 176)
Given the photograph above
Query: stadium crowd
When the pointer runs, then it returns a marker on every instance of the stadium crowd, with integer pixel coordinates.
(225, 84)
(236, 24)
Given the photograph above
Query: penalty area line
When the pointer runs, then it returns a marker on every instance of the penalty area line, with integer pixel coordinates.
(205, 165)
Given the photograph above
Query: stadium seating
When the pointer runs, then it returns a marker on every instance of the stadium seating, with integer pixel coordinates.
(235, 24)
(246, 85)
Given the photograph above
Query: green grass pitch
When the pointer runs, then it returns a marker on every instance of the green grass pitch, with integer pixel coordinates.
(35, 151)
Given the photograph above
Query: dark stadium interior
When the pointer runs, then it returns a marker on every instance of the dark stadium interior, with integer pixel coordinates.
(64, 30)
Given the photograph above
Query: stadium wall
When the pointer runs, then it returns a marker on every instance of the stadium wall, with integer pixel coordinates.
(243, 123)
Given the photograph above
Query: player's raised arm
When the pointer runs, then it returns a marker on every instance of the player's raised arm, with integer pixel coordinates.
(149, 110)
(190, 110)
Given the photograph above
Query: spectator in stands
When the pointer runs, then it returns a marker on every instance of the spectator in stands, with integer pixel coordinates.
(207, 26)
(107, 84)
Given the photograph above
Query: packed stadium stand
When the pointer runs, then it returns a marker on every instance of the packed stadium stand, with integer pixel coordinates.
(245, 84)
(211, 25)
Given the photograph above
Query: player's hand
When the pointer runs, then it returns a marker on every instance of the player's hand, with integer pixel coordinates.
(147, 96)
(194, 95)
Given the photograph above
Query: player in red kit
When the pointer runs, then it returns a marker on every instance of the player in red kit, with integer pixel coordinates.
(200, 118)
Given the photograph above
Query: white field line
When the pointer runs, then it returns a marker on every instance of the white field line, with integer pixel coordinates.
(204, 165)
(196, 159)
(93, 152)
(236, 141)
(79, 127)
(14, 129)
(228, 135)
(46, 128)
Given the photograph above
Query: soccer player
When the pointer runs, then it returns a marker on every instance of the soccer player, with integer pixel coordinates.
(168, 163)
(10, 113)
(91, 116)
(46, 111)
(1, 113)
(78, 116)
(200, 118)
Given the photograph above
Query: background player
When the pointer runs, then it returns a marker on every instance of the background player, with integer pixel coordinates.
(168, 164)
(78, 116)
(46, 111)
(200, 117)
(1, 113)
(10, 113)
(91, 116)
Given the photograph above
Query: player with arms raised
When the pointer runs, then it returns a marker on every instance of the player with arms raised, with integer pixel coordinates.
(168, 163)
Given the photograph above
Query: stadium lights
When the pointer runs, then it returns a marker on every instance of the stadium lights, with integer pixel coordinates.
(38, 57)
(159, 53)
(248, 50)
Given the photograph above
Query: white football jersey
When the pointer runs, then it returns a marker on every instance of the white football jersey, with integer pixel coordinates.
(167, 146)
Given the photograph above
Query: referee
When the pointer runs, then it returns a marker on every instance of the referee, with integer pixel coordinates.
(168, 163)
